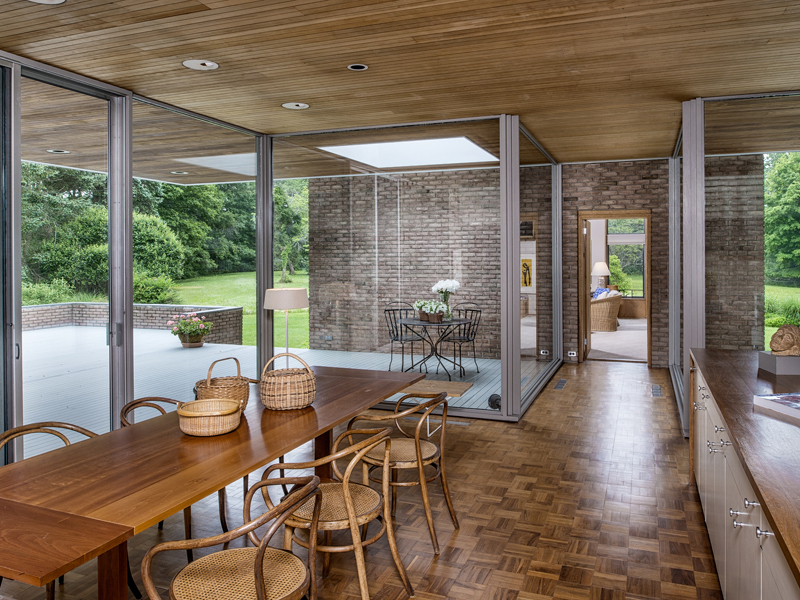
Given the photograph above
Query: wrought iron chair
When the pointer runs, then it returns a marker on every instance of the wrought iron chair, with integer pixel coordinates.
(464, 334)
(413, 451)
(263, 572)
(393, 312)
(52, 428)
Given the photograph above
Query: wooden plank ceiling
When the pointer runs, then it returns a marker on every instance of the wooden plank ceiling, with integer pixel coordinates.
(594, 80)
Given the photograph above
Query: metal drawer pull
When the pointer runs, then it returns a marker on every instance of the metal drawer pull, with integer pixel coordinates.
(723, 442)
(705, 396)
(699, 406)
(734, 513)
(712, 450)
(749, 503)
(760, 532)
(710, 444)
(737, 524)
(718, 429)
(702, 387)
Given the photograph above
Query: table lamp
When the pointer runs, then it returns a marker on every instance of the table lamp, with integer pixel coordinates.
(286, 299)
(600, 269)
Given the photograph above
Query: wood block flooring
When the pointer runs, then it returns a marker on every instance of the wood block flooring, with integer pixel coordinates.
(588, 497)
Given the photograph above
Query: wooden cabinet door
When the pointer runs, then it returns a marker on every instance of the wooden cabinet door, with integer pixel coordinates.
(701, 456)
(716, 511)
(742, 550)
(777, 580)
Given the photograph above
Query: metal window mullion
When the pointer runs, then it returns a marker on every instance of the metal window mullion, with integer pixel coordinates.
(674, 325)
(12, 261)
(264, 222)
(557, 274)
(120, 252)
(694, 221)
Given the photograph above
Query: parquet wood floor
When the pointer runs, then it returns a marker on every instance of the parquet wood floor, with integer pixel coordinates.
(588, 497)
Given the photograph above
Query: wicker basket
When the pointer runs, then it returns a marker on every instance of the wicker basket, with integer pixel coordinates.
(233, 387)
(287, 389)
(212, 416)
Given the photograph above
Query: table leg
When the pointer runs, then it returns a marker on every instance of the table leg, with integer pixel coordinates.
(112, 573)
(322, 448)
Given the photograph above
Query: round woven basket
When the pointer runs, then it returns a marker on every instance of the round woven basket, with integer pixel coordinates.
(208, 417)
(232, 387)
(287, 389)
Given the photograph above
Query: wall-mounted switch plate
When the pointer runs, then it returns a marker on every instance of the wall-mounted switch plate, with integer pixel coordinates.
(328, 338)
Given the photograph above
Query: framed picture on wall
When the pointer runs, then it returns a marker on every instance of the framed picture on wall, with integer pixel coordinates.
(527, 272)
(527, 227)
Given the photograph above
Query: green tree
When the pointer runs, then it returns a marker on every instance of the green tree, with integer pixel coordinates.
(287, 241)
(782, 218)
(618, 277)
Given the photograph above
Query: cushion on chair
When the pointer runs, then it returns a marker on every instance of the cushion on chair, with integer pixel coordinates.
(599, 291)
(229, 574)
(602, 295)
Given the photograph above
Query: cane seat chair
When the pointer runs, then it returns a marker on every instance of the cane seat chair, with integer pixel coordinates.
(52, 428)
(346, 505)
(412, 451)
(260, 573)
(464, 334)
(400, 334)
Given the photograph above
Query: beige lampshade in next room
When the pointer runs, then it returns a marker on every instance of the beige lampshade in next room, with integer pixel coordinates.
(286, 298)
(600, 269)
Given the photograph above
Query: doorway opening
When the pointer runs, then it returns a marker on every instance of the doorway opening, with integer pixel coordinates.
(615, 285)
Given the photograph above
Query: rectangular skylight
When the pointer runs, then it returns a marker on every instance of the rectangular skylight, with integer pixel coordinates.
(415, 153)
(241, 164)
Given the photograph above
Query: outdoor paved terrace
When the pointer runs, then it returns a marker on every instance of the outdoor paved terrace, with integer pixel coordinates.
(65, 376)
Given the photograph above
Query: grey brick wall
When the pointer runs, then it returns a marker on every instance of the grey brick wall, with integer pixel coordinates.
(735, 252)
(374, 240)
(227, 320)
(632, 185)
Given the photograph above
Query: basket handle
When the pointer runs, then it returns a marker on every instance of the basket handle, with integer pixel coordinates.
(269, 362)
(238, 368)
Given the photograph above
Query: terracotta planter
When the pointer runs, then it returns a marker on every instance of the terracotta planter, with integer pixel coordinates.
(423, 316)
(191, 341)
(435, 318)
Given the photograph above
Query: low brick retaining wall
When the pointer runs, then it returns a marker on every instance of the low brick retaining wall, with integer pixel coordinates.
(227, 319)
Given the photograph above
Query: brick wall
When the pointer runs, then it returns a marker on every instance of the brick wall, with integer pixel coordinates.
(631, 185)
(535, 196)
(374, 240)
(227, 320)
(735, 252)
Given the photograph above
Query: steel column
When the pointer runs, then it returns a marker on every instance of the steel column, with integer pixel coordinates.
(675, 284)
(264, 221)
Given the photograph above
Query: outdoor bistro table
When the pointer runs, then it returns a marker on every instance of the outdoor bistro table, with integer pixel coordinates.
(442, 329)
(61, 509)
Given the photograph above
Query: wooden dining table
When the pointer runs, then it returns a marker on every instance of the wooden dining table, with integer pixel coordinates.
(61, 509)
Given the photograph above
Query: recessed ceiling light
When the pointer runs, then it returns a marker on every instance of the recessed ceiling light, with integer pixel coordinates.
(179, 172)
(295, 105)
(358, 67)
(47, 1)
(57, 151)
(200, 65)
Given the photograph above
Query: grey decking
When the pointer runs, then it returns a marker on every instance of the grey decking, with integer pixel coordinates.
(65, 373)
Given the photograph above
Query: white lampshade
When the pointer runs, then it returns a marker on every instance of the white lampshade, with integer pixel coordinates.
(600, 269)
(286, 298)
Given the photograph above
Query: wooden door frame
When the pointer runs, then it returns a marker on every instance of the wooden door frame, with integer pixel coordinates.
(583, 292)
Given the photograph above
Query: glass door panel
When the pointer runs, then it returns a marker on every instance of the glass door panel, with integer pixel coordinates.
(64, 256)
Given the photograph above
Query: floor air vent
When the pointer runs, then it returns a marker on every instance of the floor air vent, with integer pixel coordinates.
(560, 385)
(656, 391)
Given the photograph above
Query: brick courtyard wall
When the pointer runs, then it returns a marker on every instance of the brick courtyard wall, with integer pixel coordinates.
(735, 252)
(377, 239)
(631, 185)
(535, 196)
(227, 320)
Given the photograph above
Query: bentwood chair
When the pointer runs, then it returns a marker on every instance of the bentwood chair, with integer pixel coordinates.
(464, 334)
(400, 334)
(155, 403)
(345, 506)
(260, 573)
(413, 451)
(52, 428)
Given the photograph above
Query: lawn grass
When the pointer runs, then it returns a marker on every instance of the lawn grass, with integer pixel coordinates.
(239, 289)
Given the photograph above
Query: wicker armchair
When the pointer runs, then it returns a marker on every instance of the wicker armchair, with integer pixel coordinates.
(260, 573)
(604, 313)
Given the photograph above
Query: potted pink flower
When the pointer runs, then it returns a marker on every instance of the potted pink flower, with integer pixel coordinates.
(190, 329)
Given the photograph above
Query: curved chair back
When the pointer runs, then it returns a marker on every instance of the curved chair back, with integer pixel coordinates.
(393, 312)
(416, 412)
(471, 311)
(149, 402)
(50, 427)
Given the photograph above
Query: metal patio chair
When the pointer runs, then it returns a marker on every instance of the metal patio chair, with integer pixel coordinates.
(464, 334)
(393, 312)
